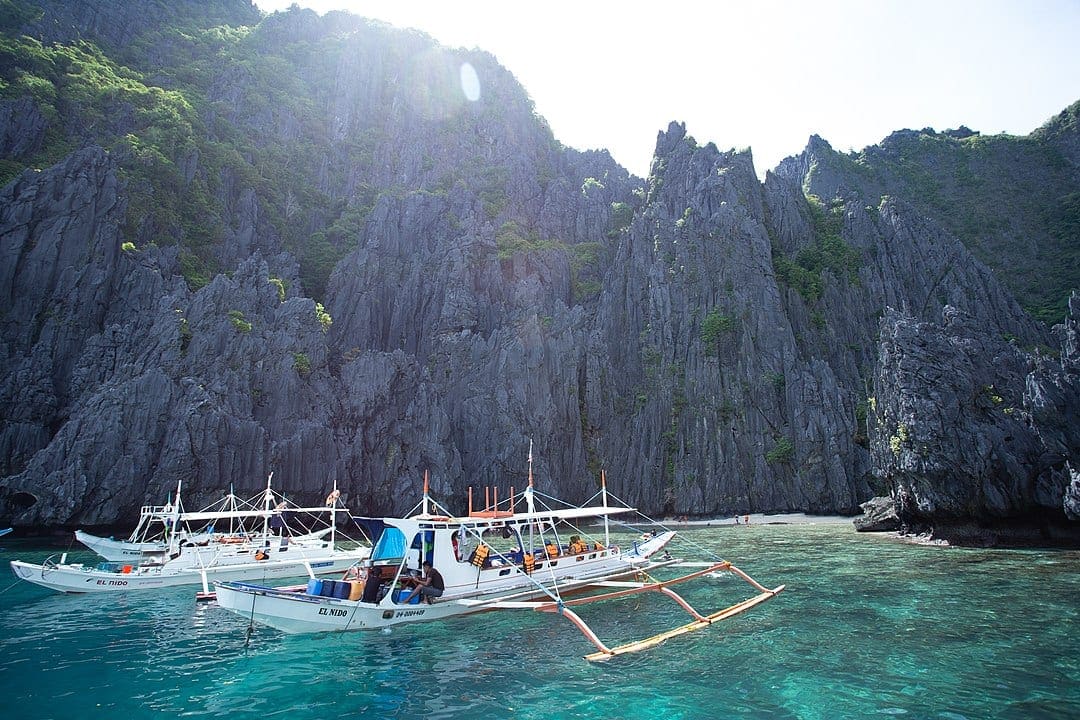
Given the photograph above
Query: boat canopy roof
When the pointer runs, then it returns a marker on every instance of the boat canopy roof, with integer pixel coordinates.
(500, 519)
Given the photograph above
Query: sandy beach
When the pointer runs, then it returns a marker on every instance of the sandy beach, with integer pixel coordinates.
(759, 519)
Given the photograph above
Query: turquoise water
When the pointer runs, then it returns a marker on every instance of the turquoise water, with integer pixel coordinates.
(867, 627)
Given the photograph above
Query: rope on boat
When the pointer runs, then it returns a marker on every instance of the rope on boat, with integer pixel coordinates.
(352, 615)
(10, 586)
(656, 523)
(540, 586)
(251, 623)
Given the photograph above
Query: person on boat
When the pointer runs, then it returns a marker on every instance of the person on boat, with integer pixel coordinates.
(430, 585)
(262, 554)
(577, 547)
(552, 549)
(355, 572)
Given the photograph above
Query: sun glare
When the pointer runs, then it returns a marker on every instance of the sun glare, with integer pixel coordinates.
(470, 83)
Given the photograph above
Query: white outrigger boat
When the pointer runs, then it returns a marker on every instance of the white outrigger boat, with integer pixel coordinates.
(161, 526)
(185, 559)
(500, 558)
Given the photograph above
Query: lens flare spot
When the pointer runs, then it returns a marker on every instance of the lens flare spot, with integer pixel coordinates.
(470, 82)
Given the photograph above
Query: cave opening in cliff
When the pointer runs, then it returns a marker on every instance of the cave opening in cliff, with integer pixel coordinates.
(22, 501)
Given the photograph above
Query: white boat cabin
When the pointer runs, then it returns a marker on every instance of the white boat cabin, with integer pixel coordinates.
(484, 551)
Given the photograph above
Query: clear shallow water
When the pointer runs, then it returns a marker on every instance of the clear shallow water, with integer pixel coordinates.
(867, 627)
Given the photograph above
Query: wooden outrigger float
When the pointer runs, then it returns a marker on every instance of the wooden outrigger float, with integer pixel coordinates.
(502, 557)
(700, 621)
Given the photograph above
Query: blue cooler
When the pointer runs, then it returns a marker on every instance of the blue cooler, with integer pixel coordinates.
(400, 595)
(314, 586)
(342, 589)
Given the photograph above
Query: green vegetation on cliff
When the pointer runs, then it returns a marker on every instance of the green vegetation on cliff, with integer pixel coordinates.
(224, 129)
(827, 253)
(1011, 200)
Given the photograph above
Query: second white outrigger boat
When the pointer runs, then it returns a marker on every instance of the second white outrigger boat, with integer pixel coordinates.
(500, 558)
(163, 526)
(185, 559)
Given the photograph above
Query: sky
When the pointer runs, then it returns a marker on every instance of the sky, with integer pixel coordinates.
(764, 74)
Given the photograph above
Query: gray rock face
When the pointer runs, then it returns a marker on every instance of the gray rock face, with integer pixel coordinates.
(715, 344)
(973, 432)
(879, 515)
(695, 377)
(1072, 495)
(22, 128)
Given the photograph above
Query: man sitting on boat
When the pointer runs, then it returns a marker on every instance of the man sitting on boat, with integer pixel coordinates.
(429, 586)
(577, 545)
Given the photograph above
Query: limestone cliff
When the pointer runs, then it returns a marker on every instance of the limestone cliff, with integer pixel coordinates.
(291, 244)
(974, 435)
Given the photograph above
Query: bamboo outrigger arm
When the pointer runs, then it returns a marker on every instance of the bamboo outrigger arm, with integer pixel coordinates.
(633, 588)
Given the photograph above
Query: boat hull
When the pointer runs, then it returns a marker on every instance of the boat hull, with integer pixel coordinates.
(297, 612)
(83, 579)
(118, 550)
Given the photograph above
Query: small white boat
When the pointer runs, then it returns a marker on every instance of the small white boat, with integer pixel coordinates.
(190, 558)
(134, 550)
(5, 531)
(502, 558)
(162, 526)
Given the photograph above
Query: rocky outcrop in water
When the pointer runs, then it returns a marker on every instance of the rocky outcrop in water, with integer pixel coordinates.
(973, 433)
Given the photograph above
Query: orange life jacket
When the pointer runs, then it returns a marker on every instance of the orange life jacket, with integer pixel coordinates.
(480, 555)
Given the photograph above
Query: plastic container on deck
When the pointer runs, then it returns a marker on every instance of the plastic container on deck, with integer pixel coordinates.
(400, 595)
(328, 588)
(342, 589)
(356, 590)
(314, 586)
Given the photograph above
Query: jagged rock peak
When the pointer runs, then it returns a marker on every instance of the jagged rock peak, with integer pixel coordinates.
(818, 145)
(678, 154)
(667, 140)
(818, 169)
